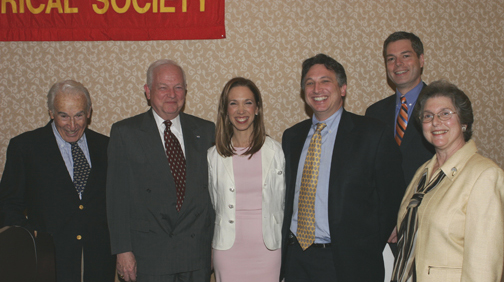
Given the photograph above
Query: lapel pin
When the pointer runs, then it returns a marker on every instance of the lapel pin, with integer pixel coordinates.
(454, 171)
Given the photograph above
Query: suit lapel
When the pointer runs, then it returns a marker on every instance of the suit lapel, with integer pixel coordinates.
(267, 155)
(154, 152)
(153, 146)
(342, 145)
(195, 152)
(341, 161)
(297, 143)
(97, 154)
(54, 162)
(389, 113)
(95, 165)
(228, 166)
(189, 130)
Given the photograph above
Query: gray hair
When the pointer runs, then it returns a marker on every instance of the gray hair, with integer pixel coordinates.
(162, 62)
(67, 87)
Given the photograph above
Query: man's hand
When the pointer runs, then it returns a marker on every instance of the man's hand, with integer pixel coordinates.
(393, 236)
(126, 266)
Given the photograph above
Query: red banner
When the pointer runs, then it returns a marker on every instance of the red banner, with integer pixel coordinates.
(98, 20)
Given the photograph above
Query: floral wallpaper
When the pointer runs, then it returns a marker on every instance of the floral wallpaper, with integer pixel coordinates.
(267, 42)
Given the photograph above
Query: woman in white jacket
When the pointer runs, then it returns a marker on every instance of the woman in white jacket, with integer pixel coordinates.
(247, 187)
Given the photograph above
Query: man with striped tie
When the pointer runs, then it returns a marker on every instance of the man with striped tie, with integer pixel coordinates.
(404, 61)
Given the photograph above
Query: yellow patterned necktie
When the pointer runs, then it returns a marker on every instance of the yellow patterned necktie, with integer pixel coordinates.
(306, 206)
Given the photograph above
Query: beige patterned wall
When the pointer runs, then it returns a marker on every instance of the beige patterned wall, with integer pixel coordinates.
(266, 41)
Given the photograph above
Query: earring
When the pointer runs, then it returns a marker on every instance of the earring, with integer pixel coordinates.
(464, 128)
(256, 114)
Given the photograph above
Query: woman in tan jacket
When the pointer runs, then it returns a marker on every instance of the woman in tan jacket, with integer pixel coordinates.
(451, 220)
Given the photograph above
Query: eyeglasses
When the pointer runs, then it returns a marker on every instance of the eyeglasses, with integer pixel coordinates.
(427, 117)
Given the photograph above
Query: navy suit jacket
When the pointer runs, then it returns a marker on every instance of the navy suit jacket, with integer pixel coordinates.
(141, 196)
(36, 180)
(364, 193)
(415, 149)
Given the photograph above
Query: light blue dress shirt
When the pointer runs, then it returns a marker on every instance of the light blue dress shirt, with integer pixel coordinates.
(66, 150)
(322, 234)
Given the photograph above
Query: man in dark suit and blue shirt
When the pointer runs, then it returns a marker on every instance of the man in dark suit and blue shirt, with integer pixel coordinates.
(404, 60)
(349, 165)
(160, 215)
(56, 175)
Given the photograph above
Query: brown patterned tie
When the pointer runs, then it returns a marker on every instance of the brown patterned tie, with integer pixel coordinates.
(402, 121)
(306, 207)
(177, 163)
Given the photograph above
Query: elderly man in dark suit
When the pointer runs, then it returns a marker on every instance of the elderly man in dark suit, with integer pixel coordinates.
(342, 191)
(404, 60)
(160, 215)
(54, 181)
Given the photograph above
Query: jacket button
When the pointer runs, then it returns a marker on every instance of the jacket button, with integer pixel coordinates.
(81, 207)
(231, 221)
(79, 237)
(231, 189)
(280, 173)
(231, 206)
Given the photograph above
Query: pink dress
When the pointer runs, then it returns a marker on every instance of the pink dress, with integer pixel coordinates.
(248, 259)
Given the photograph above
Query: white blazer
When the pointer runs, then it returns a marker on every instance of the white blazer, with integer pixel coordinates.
(223, 194)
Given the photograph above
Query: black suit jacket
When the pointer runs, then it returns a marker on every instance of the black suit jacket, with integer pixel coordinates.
(364, 193)
(141, 196)
(36, 179)
(415, 149)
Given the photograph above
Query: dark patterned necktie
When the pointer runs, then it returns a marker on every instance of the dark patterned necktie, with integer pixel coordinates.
(177, 162)
(81, 168)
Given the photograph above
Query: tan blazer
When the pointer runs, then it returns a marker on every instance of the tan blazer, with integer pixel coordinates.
(223, 195)
(461, 221)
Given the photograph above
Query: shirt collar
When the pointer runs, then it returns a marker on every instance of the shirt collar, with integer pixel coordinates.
(411, 96)
(176, 126)
(61, 142)
(456, 162)
(331, 122)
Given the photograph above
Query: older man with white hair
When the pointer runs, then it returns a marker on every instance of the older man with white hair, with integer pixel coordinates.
(161, 217)
(54, 181)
